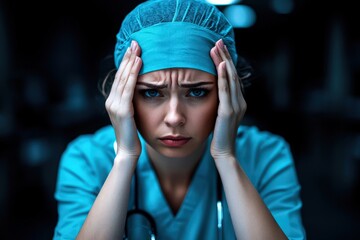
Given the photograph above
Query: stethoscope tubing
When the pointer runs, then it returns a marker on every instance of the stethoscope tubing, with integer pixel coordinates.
(153, 234)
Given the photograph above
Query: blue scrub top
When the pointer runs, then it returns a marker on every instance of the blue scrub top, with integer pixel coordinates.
(266, 158)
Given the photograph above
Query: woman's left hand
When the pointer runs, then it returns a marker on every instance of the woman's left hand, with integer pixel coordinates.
(232, 105)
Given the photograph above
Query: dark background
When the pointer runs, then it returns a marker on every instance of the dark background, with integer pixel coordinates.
(307, 89)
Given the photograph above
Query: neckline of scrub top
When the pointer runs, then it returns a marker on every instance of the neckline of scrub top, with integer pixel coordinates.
(148, 181)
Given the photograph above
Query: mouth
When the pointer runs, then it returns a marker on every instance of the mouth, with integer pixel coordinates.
(174, 141)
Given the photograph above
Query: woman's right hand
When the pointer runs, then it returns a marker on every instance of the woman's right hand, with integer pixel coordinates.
(119, 105)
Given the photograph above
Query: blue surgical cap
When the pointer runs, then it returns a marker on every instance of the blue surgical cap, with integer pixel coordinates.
(175, 34)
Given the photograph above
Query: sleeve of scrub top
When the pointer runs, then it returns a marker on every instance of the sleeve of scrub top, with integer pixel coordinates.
(76, 188)
(278, 184)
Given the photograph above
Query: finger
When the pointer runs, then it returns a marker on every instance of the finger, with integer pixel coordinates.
(118, 74)
(127, 56)
(131, 83)
(214, 53)
(238, 100)
(121, 76)
(232, 75)
(224, 54)
(136, 48)
(127, 68)
(134, 72)
(132, 49)
(225, 106)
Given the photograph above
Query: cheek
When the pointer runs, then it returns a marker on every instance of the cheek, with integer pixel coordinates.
(204, 117)
(210, 110)
(140, 113)
(145, 116)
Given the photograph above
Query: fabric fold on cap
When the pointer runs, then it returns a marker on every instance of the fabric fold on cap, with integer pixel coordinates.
(176, 45)
(175, 34)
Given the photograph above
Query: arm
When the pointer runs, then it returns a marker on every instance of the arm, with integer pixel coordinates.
(106, 219)
(250, 216)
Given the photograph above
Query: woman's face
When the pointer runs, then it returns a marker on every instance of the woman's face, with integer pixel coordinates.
(175, 109)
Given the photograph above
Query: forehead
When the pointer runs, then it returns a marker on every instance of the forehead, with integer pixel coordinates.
(180, 75)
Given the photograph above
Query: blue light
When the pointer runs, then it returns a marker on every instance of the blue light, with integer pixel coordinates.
(283, 6)
(222, 2)
(240, 16)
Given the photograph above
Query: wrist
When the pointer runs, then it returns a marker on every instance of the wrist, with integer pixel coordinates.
(228, 161)
(122, 161)
(222, 155)
(229, 158)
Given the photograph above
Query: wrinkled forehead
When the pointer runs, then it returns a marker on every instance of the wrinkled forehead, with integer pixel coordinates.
(176, 76)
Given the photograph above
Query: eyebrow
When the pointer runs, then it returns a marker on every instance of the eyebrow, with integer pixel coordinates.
(184, 85)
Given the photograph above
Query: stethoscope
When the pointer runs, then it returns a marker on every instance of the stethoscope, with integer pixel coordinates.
(141, 225)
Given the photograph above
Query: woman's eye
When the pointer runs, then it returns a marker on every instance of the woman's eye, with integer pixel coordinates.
(150, 93)
(198, 92)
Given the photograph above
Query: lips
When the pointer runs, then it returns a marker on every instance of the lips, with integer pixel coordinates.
(174, 141)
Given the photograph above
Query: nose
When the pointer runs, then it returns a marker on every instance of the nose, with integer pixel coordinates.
(174, 116)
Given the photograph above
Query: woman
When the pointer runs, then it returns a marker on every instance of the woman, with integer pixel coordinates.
(176, 163)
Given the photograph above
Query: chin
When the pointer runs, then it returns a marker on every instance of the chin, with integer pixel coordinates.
(175, 152)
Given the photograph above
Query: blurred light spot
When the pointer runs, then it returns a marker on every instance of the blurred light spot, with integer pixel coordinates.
(240, 16)
(282, 6)
(76, 98)
(35, 151)
(222, 2)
